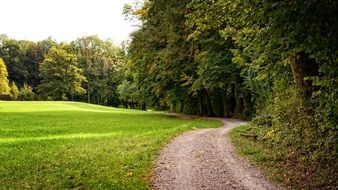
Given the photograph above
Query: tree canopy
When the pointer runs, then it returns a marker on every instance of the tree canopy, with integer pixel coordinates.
(274, 61)
(61, 78)
(100, 60)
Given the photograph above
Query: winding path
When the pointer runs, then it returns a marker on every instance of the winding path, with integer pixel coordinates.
(206, 159)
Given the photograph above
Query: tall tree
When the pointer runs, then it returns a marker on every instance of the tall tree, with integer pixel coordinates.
(12, 52)
(34, 55)
(100, 60)
(159, 56)
(4, 83)
(174, 63)
(61, 78)
(288, 50)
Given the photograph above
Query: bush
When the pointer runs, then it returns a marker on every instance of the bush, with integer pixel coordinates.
(263, 120)
(14, 91)
(26, 93)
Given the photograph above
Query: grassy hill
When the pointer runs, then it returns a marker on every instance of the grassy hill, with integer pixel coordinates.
(58, 145)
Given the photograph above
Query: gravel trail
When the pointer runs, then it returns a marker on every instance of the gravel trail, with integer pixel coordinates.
(206, 159)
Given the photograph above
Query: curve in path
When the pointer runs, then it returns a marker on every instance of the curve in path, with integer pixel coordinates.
(206, 159)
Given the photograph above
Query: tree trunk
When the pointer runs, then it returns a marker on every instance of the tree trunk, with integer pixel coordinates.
(200, 104)
(217, 101)
(144, 106)
(303, 66)
(208, 101)
(239, 100)
(246, 111)
(88, 91)
(225, 103)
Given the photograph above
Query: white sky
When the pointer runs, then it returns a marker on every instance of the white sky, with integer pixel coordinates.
(64, 20)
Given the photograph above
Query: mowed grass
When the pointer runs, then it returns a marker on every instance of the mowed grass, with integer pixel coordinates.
(68, 145)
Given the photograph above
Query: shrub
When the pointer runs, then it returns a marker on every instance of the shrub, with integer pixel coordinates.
(263, 120)
(14, 91)
(26, 93)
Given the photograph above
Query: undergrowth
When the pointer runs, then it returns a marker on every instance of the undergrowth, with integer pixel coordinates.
(283, 164)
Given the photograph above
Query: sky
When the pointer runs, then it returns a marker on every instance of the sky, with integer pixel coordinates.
(64, 20)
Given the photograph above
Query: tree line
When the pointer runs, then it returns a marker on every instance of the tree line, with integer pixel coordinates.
(274, 61)
(87, 69)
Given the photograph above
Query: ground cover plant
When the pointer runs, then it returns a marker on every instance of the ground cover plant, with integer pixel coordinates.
(60, 145)
(278, 162)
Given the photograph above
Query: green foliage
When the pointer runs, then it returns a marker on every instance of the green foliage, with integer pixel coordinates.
(127, 91)
(279, 162)
(26, 93)
(101, 62)
(4, 83)
(14, 91)
(60, 75)
(262, 155)
(309, 135)
(23, 58)
(12, 52)
(263, 120)
(158, 55)
(82, 146)
(276, 60)
(172, 66)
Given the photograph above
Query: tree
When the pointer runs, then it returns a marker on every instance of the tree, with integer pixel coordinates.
(61, 78)
(14, 91)
(172, 66)
(34, 55)
(4, 83)
(127, 93)
(13, 53)
(22, 58)
(100, 60)
(288, 50)
(252, 57)
(160, 57)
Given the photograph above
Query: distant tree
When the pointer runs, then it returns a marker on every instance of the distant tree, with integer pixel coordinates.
(100, 61)
(12, 52)
(14, 90)
(127, 92)
(4, 83)
(26, 93)
(22, 59)
(60, 76)
(34, 55)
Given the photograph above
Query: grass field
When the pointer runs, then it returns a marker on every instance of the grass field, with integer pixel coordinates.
(61, 145)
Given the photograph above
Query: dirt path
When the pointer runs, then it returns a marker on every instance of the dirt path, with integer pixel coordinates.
(206, 159)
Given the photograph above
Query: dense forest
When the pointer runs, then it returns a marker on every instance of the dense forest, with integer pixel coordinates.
(273, 61)
(87, 69)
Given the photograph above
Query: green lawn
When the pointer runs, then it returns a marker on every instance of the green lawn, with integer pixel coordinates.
(60, 145)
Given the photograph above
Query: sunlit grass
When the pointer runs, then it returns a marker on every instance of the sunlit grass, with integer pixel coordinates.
(58, 145)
